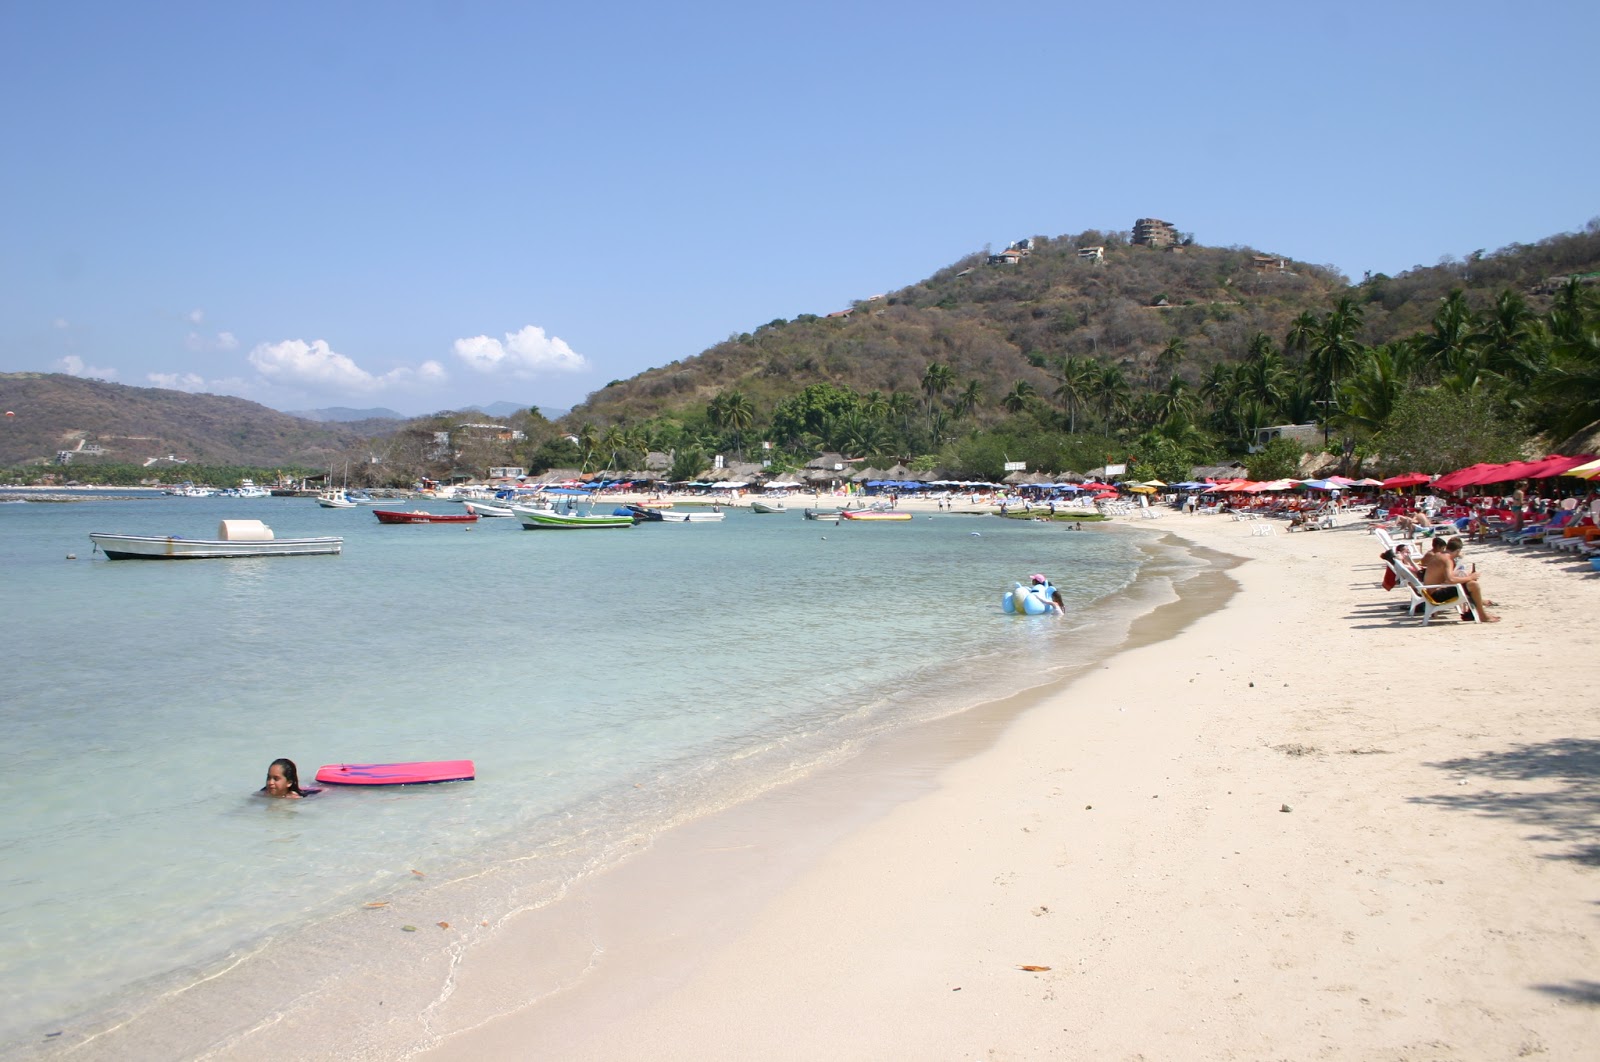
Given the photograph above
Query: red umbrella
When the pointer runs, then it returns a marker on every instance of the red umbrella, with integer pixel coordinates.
(1554, 466)
(1460, 477)
(1407, 479)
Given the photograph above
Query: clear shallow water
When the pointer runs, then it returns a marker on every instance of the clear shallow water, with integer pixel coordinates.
(606, 684)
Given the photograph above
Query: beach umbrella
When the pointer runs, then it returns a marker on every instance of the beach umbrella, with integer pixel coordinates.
(1142, 489)
(1405, 479)
(1586, 471)
(1556, 466)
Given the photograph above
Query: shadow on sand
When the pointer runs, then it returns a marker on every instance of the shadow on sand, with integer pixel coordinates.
(1567, 817)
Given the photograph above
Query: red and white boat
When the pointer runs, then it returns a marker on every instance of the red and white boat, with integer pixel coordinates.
(417, 516)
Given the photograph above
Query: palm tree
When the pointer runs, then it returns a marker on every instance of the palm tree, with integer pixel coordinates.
(1451, 349)
(1263, 372)
(1111, 393)
(1016, 399)
(936, 380)
(737, 416)
(588, 436)
(1171, 355)
(967, 400)
(1514, 345)
(1302, 331)
(1074, 376)
(1369, 395)
(1175, 400)
(1334, 349)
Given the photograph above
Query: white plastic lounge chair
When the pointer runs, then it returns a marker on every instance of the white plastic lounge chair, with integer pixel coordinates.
(1429, 599)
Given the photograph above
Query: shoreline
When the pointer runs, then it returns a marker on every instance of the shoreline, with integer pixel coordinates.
(1214, 848)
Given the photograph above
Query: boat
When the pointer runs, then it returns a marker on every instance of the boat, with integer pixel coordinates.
(873, 514)
(548, 519)
(641, 513)
(759, 506)
(417, 516)
(235, 538)
(335, 499)
(693, 518)
(484, 509)
(822, 514)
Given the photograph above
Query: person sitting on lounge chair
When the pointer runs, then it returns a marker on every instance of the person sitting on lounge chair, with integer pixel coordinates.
(1442, 571)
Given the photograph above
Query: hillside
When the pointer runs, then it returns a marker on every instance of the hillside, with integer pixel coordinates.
(112, 422)
(1003, 323)
(999, 324)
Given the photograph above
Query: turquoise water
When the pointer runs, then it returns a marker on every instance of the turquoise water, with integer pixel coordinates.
(607, 684)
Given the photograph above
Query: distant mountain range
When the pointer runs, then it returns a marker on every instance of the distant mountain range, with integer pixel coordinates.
(343, 414)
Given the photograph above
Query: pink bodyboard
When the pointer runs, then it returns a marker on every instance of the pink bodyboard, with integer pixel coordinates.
(419, 773)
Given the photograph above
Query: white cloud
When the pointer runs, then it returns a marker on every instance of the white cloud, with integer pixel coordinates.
(296, 362)
(178, 381)
(523, 354)
(62, 322)
(221, 341)
(73, 365)
(195, 316)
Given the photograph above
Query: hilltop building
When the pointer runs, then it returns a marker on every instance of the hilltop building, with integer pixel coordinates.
(1153, 232)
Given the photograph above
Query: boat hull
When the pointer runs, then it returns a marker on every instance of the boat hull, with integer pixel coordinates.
(487, 510)
(391, 516)
(553, 521)
(692, 518)
(875, 516)
(171, 547)
(767, 507)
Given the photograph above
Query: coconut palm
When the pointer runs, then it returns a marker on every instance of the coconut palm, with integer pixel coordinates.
(1074, 376)
(1016, 399)
(1335, 345)
(1111, 393)
(1451, 349)
(1369, 395)
(967, 401)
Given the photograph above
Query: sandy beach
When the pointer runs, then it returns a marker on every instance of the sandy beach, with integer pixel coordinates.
(1298, 825)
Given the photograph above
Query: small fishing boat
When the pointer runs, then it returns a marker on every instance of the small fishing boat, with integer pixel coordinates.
(534, 519)
(692, 517)
(417, 516)
(335, 499)
(759, 506)
(485, 509)
(822, 514)
(235, 538)
(641, 513)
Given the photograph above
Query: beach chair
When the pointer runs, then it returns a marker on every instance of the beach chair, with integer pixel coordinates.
(1428, 599)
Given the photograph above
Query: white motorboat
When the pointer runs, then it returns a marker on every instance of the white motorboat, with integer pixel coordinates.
(759, 506)
(235, 538)
(485, 509)
(692, 517)
(335, 499)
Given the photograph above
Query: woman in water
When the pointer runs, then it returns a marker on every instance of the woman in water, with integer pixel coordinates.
(283, 780)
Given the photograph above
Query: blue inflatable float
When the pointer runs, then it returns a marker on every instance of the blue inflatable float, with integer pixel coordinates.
(1034, 600)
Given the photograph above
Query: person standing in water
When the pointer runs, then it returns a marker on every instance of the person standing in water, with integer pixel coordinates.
(283, 780)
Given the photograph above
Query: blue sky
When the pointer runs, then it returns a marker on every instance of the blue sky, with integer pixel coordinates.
(424, 205)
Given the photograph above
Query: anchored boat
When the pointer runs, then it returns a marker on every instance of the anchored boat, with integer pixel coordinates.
(235, 538)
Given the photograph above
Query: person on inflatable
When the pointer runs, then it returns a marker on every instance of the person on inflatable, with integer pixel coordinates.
(1042, 587)
(283, 780)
